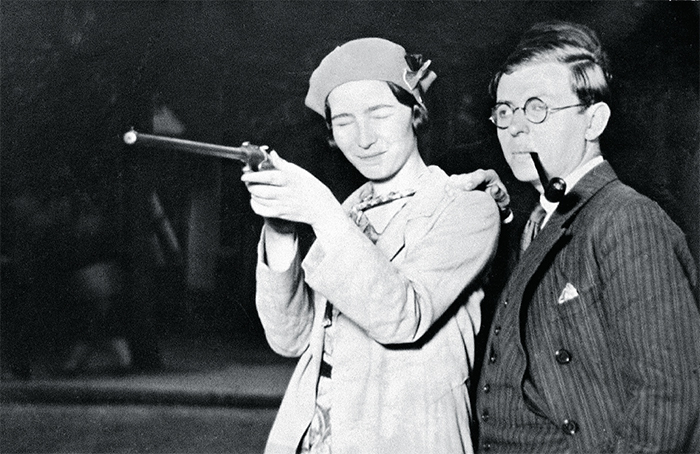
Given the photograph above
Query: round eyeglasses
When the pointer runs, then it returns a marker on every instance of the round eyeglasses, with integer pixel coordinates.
(535, 110)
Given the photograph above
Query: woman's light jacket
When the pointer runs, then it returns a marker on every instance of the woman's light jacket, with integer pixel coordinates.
(403, 342)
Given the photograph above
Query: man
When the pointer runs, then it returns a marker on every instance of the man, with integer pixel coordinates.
(595, 343)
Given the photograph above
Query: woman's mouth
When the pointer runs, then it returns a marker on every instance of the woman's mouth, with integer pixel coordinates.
(370, 156)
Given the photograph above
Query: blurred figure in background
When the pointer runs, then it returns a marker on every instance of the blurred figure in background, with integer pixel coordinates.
(97, 290)
(60, 282)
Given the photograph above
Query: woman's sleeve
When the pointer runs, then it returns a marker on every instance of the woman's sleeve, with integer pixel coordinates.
(284, 304)
(444, 253)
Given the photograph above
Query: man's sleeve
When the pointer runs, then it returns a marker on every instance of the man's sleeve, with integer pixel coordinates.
(649, 280)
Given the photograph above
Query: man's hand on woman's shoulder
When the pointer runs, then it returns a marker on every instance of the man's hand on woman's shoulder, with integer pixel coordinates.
(488, 181)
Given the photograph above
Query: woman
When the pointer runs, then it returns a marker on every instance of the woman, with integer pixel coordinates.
(384, 307)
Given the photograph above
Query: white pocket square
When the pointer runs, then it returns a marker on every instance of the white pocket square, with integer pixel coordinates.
(568, 293)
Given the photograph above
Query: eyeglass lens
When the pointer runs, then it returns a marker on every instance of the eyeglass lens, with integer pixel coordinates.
(535, 111)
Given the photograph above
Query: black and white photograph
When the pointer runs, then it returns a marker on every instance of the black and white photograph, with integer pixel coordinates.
(349, 226)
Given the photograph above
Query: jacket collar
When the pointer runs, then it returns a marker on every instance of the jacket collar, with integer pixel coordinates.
(557, 229)
(429, 190)
(422, 204)
(554, 233)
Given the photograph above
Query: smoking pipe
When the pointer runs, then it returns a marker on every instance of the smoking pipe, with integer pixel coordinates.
(555, 188)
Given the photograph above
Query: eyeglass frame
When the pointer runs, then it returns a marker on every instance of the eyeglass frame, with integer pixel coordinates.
(548, 110)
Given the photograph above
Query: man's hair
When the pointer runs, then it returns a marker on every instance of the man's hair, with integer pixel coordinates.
(420, 112)
(574, 45)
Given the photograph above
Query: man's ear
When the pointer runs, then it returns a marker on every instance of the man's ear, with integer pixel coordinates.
(599, 114)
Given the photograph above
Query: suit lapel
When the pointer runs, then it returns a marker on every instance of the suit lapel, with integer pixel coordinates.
(556, 231)
(541, 252)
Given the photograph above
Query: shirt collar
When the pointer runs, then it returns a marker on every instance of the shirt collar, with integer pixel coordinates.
(571, 180)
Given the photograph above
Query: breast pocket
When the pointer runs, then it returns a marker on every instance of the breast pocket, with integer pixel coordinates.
(573, 298)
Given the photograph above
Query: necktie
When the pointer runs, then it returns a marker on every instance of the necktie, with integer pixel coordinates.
(532, 228)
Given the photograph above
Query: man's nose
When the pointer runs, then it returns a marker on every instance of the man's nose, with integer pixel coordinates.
(519, 124)
(366, 135)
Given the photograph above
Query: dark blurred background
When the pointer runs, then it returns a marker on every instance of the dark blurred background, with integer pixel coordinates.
(105, 244)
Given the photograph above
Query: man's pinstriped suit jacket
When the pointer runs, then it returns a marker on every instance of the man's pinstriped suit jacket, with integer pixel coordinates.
(595, 343)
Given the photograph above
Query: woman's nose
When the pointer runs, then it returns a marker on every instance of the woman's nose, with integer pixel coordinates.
(366, 135)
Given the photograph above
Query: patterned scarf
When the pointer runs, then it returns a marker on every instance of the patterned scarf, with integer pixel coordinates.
(357, 212)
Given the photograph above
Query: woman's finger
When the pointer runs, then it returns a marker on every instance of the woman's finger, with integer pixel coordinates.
(266, 177)
(262, 191)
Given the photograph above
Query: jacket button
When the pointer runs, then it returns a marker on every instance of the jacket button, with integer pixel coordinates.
(486, 388)
(563, 356)
(496, 330)
(492, 357)
(505, 302)
(569, 427)
(487, 446)
(485, 416)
